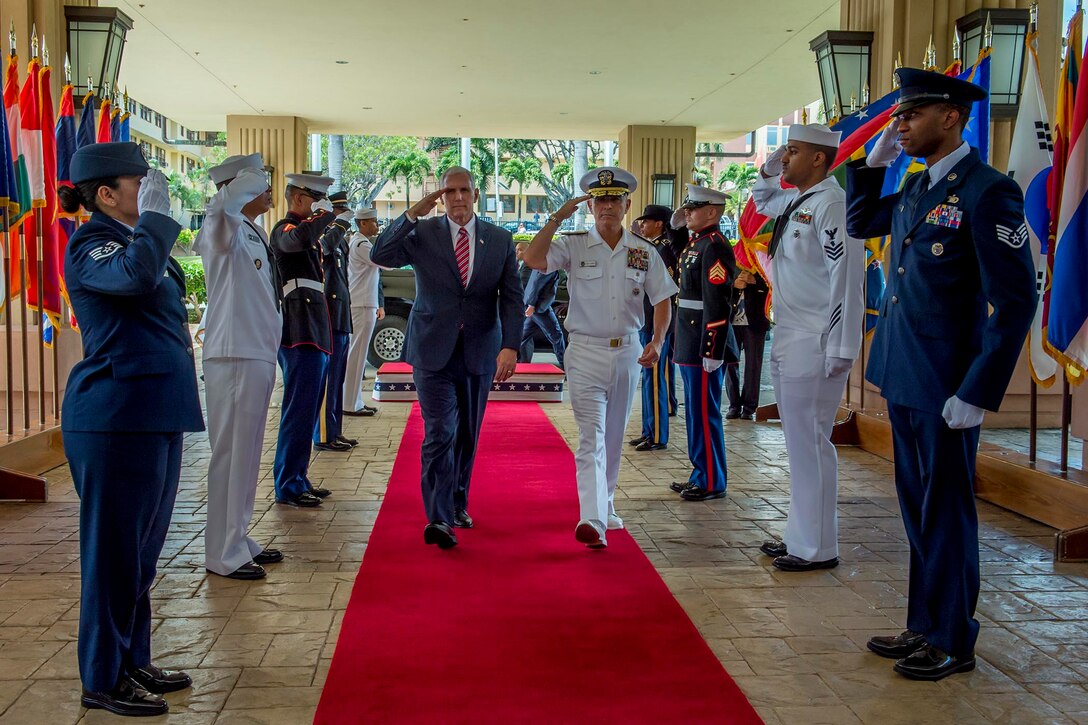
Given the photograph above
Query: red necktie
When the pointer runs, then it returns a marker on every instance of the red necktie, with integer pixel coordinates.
(460, 251)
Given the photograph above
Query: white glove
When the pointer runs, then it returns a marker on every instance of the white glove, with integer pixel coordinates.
(322, 205)
(773, 165)
(346, 216)
(837, 366)
(248, 185)
(960, 415)
(711, 365)
(154, 193)
(887, 148)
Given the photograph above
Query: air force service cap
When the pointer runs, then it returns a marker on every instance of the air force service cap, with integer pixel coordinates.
(107, 160)
(234, 164)
(814, 133)
(315, 183)
(919, 87)
(608, 181)
(366, 212)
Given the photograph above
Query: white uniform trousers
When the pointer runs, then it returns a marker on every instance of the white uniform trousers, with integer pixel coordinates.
(807, 403)
(238, 391)
(363, 320)
(601, 381)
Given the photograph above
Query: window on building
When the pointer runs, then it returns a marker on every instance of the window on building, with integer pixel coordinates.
(160, 156)
(508, 205)
(191, 135)
(145, 149)
(146, 113)
(536, 205)
(159, 121)
(776, 136)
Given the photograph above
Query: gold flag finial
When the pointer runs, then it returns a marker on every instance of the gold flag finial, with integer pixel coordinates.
(126, 99)
(804, 115)
(67, 70)
(33, 41)
(957, 46)
(930, 62)
(865, 94)
(11, 39)
(836, 109)
(988, 34)
(853, 101)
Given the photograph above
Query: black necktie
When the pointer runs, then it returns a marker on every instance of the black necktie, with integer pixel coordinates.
(781, 222)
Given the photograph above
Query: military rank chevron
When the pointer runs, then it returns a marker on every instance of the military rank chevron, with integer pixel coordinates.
(833, 248)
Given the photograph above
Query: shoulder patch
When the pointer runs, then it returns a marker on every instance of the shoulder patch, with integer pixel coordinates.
(106, 250)
(1015, 238)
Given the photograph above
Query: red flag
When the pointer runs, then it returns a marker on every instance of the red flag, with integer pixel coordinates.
(104, 135)
(16, 198)
(46, 215)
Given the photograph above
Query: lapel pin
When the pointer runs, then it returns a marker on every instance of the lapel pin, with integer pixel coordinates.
(937, 249)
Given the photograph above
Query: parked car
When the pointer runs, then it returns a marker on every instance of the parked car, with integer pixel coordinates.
(515, 226)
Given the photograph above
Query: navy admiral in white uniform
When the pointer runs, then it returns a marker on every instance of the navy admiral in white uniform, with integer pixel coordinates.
(127, 404)
(819, 305)
(367, 308)
(609, 271)
(704, 338)
(939, 356)
(241, 339)
(307, 336)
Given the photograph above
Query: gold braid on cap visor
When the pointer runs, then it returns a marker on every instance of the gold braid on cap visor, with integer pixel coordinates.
(609, 191)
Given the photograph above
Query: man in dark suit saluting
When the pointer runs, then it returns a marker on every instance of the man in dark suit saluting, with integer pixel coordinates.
(463, 333)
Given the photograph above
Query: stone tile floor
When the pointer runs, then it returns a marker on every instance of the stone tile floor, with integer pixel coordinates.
(259, 652)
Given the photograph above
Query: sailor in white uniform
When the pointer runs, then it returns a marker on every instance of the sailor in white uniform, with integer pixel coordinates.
(241, 339)
(367, 307)
(609, 271)
(819, 305)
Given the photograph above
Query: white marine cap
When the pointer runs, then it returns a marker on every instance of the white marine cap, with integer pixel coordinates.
(814, 133)
(697, 196)
(366, 212)
(311, 182)
(232, 165)
(608, 181)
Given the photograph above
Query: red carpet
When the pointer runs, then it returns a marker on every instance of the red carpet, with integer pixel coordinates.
(519, 623)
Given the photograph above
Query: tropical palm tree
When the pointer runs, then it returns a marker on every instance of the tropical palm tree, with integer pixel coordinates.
(522, 171)
(413, 165)
(738, 179)
(700, 175)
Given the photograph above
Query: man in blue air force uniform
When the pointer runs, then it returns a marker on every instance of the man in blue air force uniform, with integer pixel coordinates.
(958, 246)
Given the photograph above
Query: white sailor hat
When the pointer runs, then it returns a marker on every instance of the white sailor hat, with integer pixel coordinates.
(315, 183)
(608, 181)
(814, 133)
(366, 212)
(697, 196)
(232, 165)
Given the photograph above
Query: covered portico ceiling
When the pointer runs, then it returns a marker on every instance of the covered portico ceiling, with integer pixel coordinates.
(558, 69)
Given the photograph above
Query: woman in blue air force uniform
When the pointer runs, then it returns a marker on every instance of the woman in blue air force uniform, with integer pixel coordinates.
(125, 409)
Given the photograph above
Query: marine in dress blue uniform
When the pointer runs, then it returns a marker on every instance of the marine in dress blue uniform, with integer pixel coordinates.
(328, 431)
(307, 334)
(704, 339)
(127, 403)
(958, 246)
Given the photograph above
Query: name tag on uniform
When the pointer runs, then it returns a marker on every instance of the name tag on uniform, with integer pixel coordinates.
(802, 216)
(588, 263)
(945, 215)
(638, 259)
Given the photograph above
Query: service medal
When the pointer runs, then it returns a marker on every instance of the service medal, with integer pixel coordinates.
(937, 249)
(635, 292)
(953, 199)
(257, 262)
(796, 233)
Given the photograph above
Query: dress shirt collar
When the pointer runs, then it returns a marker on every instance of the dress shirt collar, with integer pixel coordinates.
(595, 238)
(470, 227)
(945, 165)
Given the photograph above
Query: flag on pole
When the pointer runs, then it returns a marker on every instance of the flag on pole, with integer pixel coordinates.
(52, 252)
(105, 133)
(85, 135)
(19, 199)
(115, 124)
(1029, 166)
(9, 193)
(1067, 328)
(66, 148)
(126, 133)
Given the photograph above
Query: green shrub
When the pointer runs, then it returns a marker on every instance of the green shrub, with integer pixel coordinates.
(186, 237)
(524, 237)
(196, 290)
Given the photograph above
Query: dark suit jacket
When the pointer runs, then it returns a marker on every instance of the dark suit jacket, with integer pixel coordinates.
(961, 247)
(137, 374)
(540, 290)
(489, 311)
(755, 304)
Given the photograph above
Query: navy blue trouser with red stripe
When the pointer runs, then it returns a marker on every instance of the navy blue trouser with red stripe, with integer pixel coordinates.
(706, 435)
(655, 393)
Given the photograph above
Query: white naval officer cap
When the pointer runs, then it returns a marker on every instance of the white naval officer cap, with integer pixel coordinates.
(608, 181)
(311, 182)
(697, 196)
(366, 212)
(814, 133)
(234, 164)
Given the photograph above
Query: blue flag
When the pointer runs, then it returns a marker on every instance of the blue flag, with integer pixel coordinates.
(86, 135)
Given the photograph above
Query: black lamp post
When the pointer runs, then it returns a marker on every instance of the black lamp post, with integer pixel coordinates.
(842, 57)
(1003, 30)
(96, 40)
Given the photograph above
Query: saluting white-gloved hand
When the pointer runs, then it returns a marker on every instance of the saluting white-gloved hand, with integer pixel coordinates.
(711, 365)
(773, 165)
(154, 193)
(887, 148)
(248, 184)
(959, 414)
(321, 205)
(346, 216)
(837, 366)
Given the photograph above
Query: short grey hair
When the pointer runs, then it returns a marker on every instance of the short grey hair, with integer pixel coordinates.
(454, 171)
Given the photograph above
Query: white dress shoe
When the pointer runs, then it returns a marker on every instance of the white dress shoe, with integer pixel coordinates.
(590, 533)
(614, 522)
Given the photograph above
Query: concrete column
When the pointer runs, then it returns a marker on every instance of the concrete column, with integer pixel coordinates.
(281, 140)
(649, 150)
(578, 168)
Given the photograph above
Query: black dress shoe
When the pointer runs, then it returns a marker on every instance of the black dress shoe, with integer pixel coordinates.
(789, 562)
(126, 699)
(695, 493)
(774, 548)
(160, 682)
(898, 646)
(365, 412)
(636, 441)
(681, 486)
(332, 446)
(648, 446)
(268, 556)
(246, 572)
(320, 492)
(347, 441)
(303, 500)
(747, 416)
(439, 533)
(732, 414)
(461, 519)
(930, 663)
